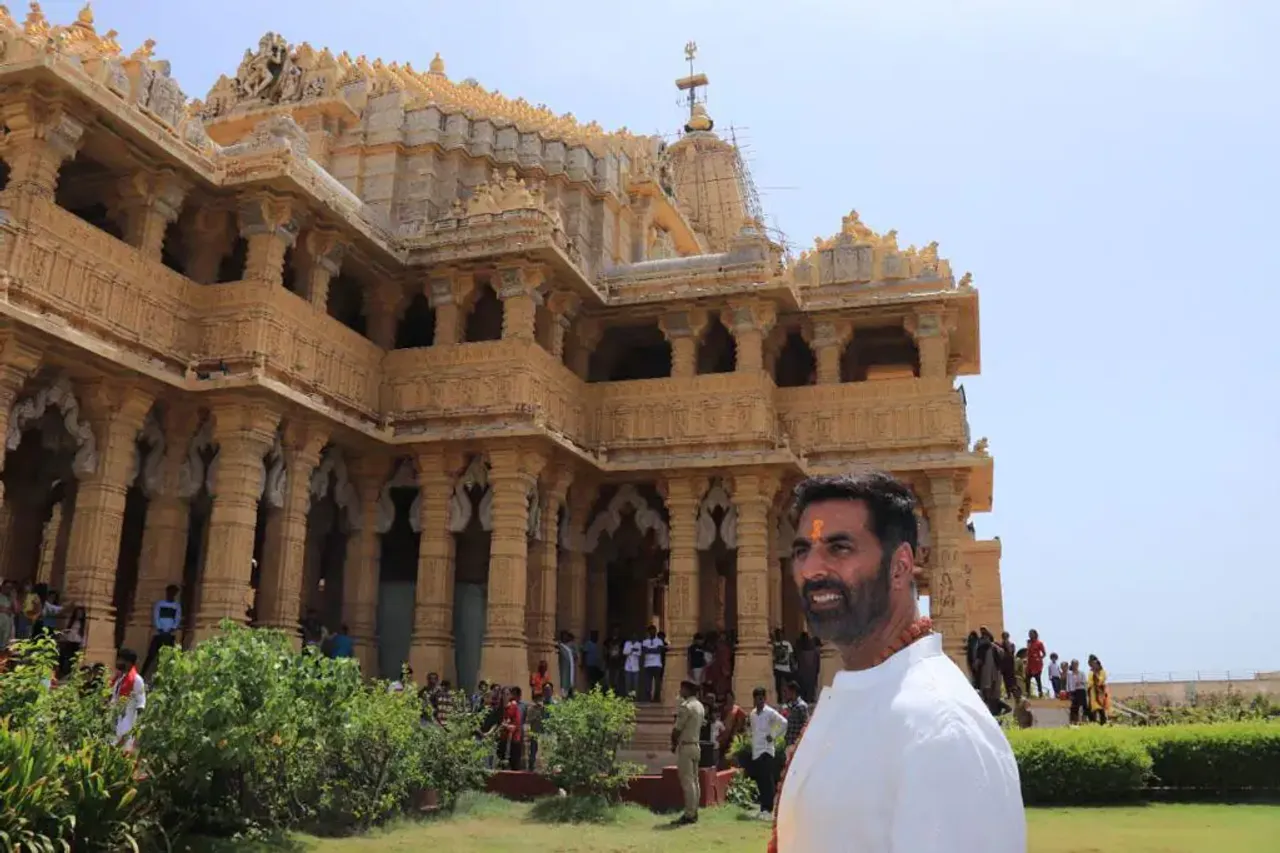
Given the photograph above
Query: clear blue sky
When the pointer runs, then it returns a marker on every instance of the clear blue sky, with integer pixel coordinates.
(1108, 169)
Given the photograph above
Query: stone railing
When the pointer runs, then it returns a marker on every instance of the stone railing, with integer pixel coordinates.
(263, 326)
(74, 273)
(877, 416)
(483, 387)
(726, 409)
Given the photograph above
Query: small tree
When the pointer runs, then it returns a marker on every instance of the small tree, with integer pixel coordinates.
(582, 736)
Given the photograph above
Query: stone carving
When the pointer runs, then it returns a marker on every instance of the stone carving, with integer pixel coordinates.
(474, 478)
(534, 525)
(149, 459)
(278, 131)
(404, 477)
(610, 519)
(333, 469)
(275, 475)
(507, 192)
(59, 395)
(858, 254)
(706, 527)
(194, 473)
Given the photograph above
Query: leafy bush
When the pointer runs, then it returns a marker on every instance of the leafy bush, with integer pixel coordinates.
(453, 759)
(34, 813)
(581, 737)
(77, 712)
(1215, 758)
(1228, 707)
(1071, 766)
(743, 792)
(740, 750)
(579, 809)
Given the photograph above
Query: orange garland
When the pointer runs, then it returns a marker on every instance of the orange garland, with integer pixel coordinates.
(922, 627)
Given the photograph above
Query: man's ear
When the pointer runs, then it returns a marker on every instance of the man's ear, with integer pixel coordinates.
(903, 568)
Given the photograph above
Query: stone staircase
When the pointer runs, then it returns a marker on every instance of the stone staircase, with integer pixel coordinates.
(651, 745)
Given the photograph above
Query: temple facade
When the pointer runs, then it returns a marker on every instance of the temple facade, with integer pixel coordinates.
(442, 366)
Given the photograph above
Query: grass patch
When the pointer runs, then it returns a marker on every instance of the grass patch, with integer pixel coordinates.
(595, 810)
(486, 824)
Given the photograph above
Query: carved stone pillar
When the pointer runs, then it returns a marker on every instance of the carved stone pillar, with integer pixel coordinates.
(39, 139)
(750, 322)
(244, 431)
(164, 534)
(210, 235)
(775, 574)
(932, 331)
(564, 307)
(116, 413)
(753, 495)
(682, 495)
(504, 656)
(683, 329)
(447, 294)
(518, 290)
(587, 334)
(574, 571)
(19, 360)
(384, 304)
(324, 259)
(270, 223)
(830, 337)
(540, 621)
(285, 547)
(432, 644)
(361, 567)
(151, 202)
(948, 584)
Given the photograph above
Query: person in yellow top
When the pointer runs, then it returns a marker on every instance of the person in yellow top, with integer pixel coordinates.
(1099, 693)
(685, 744)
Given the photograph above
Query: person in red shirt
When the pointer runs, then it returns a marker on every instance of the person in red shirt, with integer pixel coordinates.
(538, 679)
(1035, 663)
(513, 731)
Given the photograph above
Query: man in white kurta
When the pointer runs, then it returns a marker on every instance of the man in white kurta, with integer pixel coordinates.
(903, 758)
(900, 755)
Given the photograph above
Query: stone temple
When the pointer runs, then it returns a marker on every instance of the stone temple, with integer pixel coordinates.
(438, 364)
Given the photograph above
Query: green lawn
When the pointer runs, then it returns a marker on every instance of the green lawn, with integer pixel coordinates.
(493, 826)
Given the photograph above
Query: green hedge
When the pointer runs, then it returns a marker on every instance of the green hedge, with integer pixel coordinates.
(1105, 765)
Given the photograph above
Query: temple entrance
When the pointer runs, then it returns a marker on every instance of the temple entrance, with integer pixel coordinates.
(399, 523)
(471, 522)
(717, 543)
(627, 543)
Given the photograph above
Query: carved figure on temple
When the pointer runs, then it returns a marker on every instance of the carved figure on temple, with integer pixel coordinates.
(262, 75)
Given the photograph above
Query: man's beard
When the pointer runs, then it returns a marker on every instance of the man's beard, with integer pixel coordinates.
(861, 611)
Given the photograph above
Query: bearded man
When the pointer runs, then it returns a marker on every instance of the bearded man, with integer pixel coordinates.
(900, 755)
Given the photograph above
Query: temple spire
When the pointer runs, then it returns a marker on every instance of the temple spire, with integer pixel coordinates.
(698, 118)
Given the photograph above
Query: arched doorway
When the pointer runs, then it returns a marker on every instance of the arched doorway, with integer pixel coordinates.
(399, 524)
(628, 541)
(471, 522)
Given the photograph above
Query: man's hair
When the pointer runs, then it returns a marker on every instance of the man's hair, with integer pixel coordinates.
(515, 692)
(171, 589)
(793, 686)
(129, 656)
(759, 691)
(890, 504)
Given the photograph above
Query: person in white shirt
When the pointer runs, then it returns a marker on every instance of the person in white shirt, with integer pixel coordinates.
(1055, 674)
(128, 695)
(166, 619)
(766, 726)
(900, 754)
(653, 647)
(631, 653)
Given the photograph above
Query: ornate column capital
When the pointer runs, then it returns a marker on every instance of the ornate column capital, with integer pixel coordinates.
(751, 316)
(515, 465)
(823, 333)
(326, 249)
(930, 322)
(523, 280)
(48, 122)
(756, 487)
(683, 492)
(565, 305)
(270, 214)
(689, 323)
(245, 421)
(19, 360)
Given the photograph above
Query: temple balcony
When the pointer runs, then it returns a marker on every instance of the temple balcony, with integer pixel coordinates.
(485, 388)
(839, 423)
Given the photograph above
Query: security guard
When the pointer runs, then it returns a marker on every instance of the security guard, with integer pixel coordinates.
(684, 743)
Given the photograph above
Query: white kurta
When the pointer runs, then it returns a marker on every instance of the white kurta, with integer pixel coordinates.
(136, 701)
(903, 758)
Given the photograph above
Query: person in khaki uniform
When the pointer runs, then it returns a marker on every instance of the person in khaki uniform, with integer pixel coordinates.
(684, 743)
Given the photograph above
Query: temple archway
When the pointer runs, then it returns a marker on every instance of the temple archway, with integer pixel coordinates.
(333, 515)
(627, 544)
(399, 523)
(716, 538)
(471, 523)
(49, 446)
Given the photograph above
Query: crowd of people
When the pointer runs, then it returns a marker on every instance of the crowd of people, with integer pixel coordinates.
(1004, 675)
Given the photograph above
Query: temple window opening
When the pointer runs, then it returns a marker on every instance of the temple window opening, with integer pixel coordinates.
(484, 320)
(717, 350)
(796, 365)
(631, 352)
(86, 188)
(417, 328)
(880, 352)
(346, 303)
(231, 266)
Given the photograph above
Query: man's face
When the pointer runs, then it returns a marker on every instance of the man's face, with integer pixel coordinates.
(843, 575)
(122, 665)
(759, 701)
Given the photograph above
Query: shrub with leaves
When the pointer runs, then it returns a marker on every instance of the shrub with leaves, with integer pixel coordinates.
(581, 737)
(453, 759)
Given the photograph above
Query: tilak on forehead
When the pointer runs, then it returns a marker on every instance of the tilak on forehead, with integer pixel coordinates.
(815, 532)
